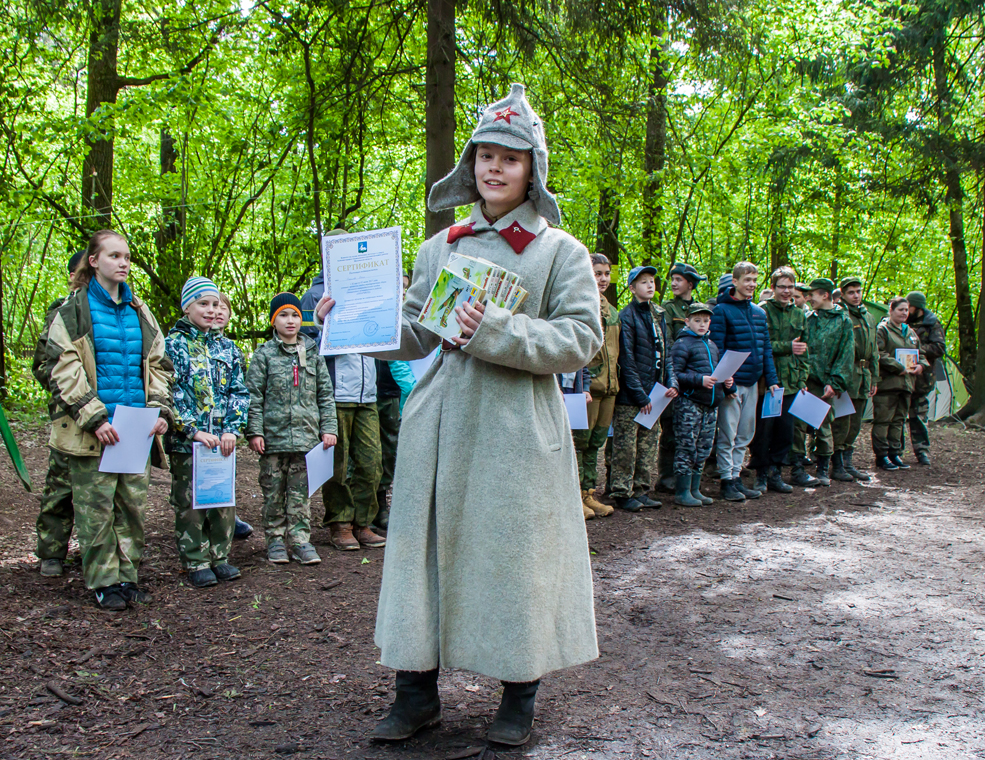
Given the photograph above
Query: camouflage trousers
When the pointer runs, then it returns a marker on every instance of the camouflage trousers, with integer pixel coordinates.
(919, 417)
(203, 536)
(798, 447)
(824, 445)
(695, 426)
(57, 515)
(845, 429)
(353, 498)
(286, 507)
(109, 520)
(588, 442)
(889, 413)
(634, 454)
(389, 411)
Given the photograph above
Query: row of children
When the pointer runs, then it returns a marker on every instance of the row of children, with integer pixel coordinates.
(102, 348)
(797, 339)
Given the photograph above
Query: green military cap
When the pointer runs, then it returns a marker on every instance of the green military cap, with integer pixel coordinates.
(802, 287)
(822, 283)
(686, 271)
(846, 281)
(699, 308)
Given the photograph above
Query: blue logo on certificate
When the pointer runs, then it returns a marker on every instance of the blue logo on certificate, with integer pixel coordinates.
(363, 247)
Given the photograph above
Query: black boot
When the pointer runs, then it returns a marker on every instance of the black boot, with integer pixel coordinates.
(730, 492)
(799, 477)
(822, 470)
(749, 493)
(894, 457)
(838, 471)
(515, 716)
(885, 463)
(850, 468)
(761, 479)
(774, 481)
(382, 519)
(923, 458)
(415, 706)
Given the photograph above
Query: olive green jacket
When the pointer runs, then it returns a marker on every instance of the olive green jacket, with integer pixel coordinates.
(291, 417)
(889, 337)
(865, 371)
(786, 323)
(603, 369)
(676, 314)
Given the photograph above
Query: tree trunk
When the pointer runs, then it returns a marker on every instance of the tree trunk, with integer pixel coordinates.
(102, 86)
(976, 404)
(955, 204)
(439, 120)
(3, 343)
(607, 239)
(655, 146)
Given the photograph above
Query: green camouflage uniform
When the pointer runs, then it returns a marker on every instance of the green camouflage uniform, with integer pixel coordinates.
(891, 405)
(676, 312)
(353, 499)
(57, 515)
(865, 376)
(932, 338)
(209, 396)
(831, 356)
(292, 419)
(634, 454)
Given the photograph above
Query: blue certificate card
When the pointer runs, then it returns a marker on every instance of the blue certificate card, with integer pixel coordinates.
(364, 274)
(213, 478)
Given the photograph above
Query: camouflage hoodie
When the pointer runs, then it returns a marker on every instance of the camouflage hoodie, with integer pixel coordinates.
(830, 348)
(210, 389)
(292, 401)
(865, 372)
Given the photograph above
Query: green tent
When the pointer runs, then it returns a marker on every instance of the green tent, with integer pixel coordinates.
(950, 390)
(15, 454)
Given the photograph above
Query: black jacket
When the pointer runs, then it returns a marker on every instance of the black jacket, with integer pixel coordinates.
(692, 357)
(386, 386)
(643, 353)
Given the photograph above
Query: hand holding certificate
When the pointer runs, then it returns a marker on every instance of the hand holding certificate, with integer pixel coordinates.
(773, 403)
(135, 427)
(364, 277)
(213, 478)
(728, 365)
(659, 400)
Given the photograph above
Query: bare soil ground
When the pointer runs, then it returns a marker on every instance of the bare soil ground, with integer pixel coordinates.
(846, 622)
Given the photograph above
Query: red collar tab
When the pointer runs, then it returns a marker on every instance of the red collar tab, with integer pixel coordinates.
(462, 230)
(517, 237)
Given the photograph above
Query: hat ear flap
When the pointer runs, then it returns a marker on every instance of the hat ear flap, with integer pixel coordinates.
(458, 187)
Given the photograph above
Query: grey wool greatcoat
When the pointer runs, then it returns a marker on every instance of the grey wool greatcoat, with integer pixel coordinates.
(487, 565)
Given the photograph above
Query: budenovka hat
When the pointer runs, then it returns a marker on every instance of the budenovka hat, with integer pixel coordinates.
(916, 299)
(688, 272)
(195, 288)
(637, 271)
(283, 301)
(512, 123)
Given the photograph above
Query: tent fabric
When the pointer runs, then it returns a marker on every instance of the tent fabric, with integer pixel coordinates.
(950, 391)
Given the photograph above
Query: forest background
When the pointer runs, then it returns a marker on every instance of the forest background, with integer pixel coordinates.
(223, 138)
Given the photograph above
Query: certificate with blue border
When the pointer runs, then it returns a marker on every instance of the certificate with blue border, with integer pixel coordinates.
(364, 274)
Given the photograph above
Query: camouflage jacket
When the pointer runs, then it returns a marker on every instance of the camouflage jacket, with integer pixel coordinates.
(676, 314)
(865, 371)
(292, 401)
(209, 391)
(830, 348)
(932, 339)
(889, 337)
(786, 324)
(603, 368)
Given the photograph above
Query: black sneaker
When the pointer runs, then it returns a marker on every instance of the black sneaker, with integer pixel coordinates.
(730, 492)
(202, 578)
(243, 530)
(52, 568)
(900, 464)
(226, 572)
(110, 598)
(131, 593)
(628, 505)
(885, 463)
(923, 458)
(649, 503)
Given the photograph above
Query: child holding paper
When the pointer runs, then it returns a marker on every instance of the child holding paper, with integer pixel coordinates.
(210, 402)
(487, 565)
(105, 349)
(292, 410)
(693, 358)
(644, 350)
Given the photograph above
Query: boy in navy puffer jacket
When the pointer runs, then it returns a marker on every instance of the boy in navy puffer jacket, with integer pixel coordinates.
(737, 324)
(693, 357)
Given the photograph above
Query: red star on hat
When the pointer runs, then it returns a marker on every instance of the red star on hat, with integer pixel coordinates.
(505, 115)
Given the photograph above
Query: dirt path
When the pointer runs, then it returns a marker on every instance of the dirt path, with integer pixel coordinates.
(843, 623)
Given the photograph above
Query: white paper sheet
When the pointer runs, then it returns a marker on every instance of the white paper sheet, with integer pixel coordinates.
(809, 408)
(728, 365)
(773, 403)
(659, 400)
(133, 425)
(577, 410)
(843, 406)
(213, 478)
(321, 466)
(420, 366)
